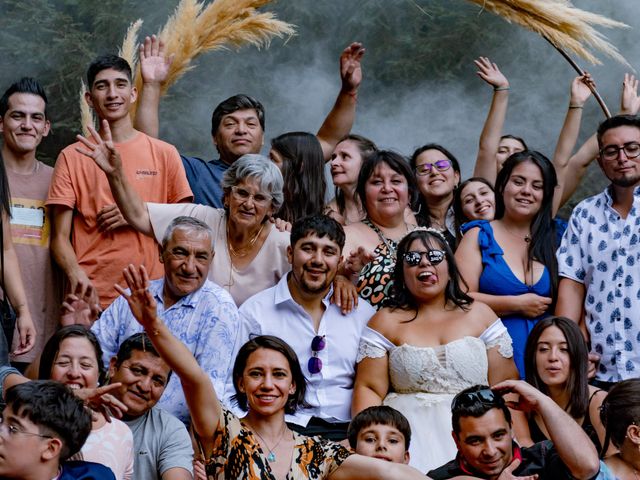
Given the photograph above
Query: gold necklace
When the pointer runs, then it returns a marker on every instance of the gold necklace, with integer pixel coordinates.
(244, 251)
(272, 456)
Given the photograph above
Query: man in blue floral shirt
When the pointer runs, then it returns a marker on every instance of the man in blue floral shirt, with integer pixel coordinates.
(198, 312)
(599, 257)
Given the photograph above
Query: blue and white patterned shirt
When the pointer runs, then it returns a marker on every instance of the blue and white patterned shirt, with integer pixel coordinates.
(601, 250)
(206, 321)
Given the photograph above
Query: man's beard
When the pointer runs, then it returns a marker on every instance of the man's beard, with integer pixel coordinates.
(625, 182)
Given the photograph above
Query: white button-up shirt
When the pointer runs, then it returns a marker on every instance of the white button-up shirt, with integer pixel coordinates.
(274, 312)
(601, 250)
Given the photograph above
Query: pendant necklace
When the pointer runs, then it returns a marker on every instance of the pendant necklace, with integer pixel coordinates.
(526, 238)
(272, 456)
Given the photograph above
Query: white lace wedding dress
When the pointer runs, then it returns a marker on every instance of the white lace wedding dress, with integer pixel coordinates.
(424, 380)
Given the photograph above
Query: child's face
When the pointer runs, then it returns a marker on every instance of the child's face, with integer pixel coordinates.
(382, 441)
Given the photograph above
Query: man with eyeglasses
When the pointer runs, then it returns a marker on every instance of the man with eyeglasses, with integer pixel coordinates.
(482, 431)
(197, 311)
(42, 426)
(599, 257)
(297, 309)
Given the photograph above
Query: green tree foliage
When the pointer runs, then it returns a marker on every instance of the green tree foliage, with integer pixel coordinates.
(415, 47)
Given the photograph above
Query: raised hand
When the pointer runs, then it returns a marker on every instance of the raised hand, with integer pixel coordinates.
(154, 64)
(109, 218)
(350, 68)
(629, 100)
(101, 149)
(581, 89)
(140, 300)
(490, 73)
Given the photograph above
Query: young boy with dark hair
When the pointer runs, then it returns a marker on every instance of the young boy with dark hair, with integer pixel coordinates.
(43, 425)
(381, 432)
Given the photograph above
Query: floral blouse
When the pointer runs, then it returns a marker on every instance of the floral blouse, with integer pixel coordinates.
(237, 455)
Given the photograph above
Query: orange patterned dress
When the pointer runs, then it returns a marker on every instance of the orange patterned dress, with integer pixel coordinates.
(237, 455)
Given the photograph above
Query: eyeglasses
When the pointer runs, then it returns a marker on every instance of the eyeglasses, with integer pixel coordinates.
(434, 257)
(485, 396)
(13, 430)
(317, 344)
(440, 165)
(243, 195)
(611, 152)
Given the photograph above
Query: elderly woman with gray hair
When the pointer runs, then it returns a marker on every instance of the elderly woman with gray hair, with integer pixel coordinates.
(250, 254)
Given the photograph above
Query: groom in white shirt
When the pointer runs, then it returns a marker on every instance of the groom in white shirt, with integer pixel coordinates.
(298, 310)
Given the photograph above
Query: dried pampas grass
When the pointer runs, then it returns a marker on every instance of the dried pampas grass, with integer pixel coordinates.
(129, 48)
(195, 28)
(86, 114)
(564, 25)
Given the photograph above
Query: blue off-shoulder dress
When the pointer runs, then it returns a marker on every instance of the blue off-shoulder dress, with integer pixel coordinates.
(498, 279)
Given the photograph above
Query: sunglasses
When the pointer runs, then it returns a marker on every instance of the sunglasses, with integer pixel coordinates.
(317, 345)
(440, 166)
(485, 396)
(434, 257)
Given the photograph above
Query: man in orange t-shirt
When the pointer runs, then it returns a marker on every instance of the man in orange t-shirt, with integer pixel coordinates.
(91, 241)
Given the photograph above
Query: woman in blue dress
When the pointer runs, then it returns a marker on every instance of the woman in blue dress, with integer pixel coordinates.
(510, 263)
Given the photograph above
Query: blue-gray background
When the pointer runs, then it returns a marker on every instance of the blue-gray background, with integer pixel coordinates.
(420, 84)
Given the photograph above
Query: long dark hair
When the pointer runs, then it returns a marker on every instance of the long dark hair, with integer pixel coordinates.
(52, 347)
(542, 247)
(270, 342)
(423, 215)
(577, 386)
(620, 408)
(459, 216)
(366, 147)
(303, 174)
(401, 297)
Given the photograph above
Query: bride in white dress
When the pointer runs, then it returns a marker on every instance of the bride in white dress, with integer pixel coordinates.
(431, 343)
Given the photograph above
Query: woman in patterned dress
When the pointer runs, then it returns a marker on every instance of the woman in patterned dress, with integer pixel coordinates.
(386, 186)
(269, 383)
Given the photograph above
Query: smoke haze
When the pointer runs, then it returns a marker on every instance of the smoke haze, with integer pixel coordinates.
(420, 84)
